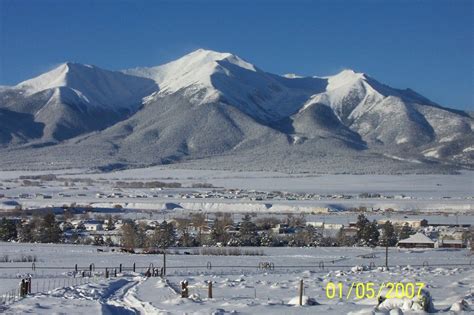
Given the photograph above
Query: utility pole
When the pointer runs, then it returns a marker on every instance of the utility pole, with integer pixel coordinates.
(164, 261)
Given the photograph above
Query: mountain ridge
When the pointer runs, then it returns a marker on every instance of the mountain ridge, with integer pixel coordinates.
(214, 106)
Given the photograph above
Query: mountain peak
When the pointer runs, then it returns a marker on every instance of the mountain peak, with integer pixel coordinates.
(202, 56)
(92, 85)
(194, 69)
(350, 74)
(207, 53)
(344, 78)
(77, 66)
(51, 79)
(57, 77)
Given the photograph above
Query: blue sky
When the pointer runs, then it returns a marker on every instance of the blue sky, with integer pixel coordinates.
(425, 45)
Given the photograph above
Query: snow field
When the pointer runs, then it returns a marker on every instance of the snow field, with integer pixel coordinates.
(241, 288)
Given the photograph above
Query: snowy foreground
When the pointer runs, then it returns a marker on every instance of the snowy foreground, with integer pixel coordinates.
(241, 287)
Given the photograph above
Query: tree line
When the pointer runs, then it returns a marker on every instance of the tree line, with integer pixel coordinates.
(195, 230)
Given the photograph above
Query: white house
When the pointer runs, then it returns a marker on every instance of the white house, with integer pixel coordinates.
(93, 225)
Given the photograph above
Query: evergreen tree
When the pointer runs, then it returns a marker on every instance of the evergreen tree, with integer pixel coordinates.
(8, 230)
(367, 232)
(25, 232)
(268, 239)
(373, 233)
(49, 231)
(248, 232)
(362, 224)
(405, 232)
(389, 237)
(308, 236)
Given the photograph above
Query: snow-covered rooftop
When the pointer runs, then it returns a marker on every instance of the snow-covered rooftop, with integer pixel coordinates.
(417, 238)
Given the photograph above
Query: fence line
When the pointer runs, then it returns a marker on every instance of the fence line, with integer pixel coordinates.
(14, 295)
(272, 266)
(85, 274)
(89, 274)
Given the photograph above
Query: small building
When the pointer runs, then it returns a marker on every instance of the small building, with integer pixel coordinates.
(43, 196)
(417, 240)
(93, 225)
(283, 228)
(451, 244)
(324, 225)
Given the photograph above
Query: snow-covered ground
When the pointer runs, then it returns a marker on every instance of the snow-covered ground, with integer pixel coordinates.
(417, 185)
(427, 193)
(239, 288)
(239, 285)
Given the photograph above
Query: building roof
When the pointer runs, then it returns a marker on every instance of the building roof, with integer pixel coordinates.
(417, 238)
(451, 241)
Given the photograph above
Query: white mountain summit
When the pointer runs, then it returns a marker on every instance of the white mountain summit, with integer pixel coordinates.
(92, 85)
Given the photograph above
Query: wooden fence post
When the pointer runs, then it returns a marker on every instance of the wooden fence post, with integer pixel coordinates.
(301, 292)
(184, 289)
(209, 289)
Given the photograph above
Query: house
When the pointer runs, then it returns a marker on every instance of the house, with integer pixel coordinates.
(324, 225)
(315, 224)
(417, 240)
(451, 244)
(283, 228)
(93, 225)
(43, 196)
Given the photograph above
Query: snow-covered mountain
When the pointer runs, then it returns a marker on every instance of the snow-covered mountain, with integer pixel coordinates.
(70, 100)
(212, 106)
(392, 119)
(208, 76)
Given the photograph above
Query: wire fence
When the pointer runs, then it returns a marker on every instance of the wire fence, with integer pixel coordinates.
(91, 269)
(261, 266)
(44, 285)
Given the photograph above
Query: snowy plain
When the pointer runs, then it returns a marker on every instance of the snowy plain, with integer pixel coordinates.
(425, 193)
(240, 288)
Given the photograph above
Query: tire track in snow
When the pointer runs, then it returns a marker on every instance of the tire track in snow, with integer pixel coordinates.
(131, 299)
(114, 302)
